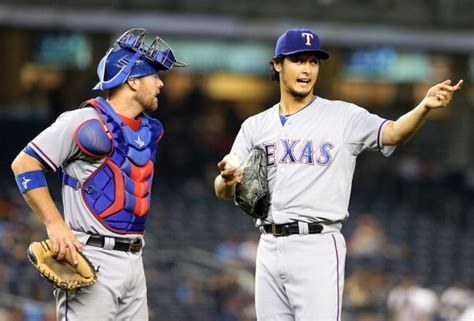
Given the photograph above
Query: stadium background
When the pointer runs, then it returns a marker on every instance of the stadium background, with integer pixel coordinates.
(411, 231)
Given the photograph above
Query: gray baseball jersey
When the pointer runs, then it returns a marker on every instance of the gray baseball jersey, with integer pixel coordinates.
(311, 158)
(57, 148)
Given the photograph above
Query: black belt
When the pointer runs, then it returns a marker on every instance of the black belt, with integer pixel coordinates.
(291, 228)
(121, 244)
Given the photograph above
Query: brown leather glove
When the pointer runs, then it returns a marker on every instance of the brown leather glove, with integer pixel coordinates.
(63, 274)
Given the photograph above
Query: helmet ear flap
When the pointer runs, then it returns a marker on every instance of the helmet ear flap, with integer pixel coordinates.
(121, 75)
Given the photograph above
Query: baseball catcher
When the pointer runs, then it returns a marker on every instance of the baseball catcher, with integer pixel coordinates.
(104, 154)
(251, 193)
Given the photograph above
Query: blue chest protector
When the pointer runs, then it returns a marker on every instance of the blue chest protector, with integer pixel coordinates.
(118, 192)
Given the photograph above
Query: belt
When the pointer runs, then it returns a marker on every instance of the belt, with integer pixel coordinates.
(121, 244)
(291, 228)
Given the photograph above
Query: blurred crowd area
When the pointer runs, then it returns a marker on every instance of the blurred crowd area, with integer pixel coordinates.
(410, 235)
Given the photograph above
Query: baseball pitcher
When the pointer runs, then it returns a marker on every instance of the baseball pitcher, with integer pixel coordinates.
(311, 145)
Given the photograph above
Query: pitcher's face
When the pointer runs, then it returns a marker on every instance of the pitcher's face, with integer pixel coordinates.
(298, 74)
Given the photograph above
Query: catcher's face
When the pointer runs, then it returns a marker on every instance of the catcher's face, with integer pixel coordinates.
(298, 74)
(148, 91)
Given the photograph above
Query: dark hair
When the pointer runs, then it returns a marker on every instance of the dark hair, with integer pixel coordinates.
(275, 75)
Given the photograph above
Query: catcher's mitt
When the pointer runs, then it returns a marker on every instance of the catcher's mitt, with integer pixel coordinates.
(62, 274)
(251, 193)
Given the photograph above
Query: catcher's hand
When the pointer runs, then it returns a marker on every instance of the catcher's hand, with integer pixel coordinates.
(251, 193)
(63, 274)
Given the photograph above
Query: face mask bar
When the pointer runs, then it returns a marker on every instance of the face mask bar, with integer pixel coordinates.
(158, 50)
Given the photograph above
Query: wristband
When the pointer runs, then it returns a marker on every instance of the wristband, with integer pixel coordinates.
(30, 180)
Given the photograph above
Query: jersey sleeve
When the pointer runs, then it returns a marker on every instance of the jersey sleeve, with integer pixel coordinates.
(56, 144)
(364, 130)
(243, 142)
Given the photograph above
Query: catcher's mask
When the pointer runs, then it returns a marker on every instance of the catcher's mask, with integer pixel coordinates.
(131, 56)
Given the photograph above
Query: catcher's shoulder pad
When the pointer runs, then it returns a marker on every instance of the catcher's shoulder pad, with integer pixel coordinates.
(251, 193)
(63, 274)
(93, 139)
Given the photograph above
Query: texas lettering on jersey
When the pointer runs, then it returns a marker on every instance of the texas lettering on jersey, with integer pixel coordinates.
(296, 151)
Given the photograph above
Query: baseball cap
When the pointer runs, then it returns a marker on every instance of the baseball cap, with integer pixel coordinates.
(299, 40)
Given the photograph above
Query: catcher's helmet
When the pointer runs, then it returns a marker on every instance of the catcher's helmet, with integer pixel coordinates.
(131, 57)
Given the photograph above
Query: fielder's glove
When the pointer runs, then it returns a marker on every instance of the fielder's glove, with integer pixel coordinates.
(251, 193)
(62, 274)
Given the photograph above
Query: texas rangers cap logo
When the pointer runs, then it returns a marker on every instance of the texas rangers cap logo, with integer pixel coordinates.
(308, 36)
(295, 41)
